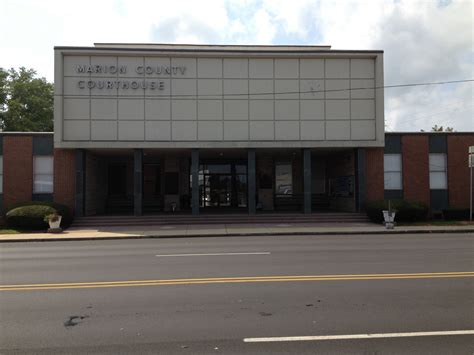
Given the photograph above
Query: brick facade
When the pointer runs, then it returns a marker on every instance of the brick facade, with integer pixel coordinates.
(415, 168)
(17, 169)
(374, 174)
(458, 171)
(64, 177)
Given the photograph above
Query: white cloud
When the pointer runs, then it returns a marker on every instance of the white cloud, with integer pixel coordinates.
(423, 41)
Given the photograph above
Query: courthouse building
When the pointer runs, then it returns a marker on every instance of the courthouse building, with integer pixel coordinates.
(195, 128)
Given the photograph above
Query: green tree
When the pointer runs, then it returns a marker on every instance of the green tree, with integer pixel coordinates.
(26, 102)
(437, 128)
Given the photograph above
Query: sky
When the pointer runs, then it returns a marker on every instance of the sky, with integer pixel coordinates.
(423, 41)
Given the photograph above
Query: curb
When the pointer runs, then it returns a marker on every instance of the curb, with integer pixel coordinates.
(247, 234)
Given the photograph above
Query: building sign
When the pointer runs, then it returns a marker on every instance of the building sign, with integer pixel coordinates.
(140, 70)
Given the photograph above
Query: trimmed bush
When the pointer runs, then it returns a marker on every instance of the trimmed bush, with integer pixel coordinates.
(30, 215)
(406, 211)
(456, 214)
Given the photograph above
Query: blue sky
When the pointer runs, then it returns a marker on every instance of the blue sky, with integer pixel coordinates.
(423, 41)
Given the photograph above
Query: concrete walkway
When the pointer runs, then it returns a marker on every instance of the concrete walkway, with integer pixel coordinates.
(223, 230)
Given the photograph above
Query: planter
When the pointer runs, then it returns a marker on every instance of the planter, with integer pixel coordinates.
(55, 226)
(389, 219)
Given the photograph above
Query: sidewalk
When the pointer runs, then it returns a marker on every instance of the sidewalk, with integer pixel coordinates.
(226, 230)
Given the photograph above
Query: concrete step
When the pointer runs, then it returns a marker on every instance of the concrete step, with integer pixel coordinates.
(173, 219)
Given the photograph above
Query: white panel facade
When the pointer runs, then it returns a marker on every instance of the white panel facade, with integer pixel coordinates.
(223, 98)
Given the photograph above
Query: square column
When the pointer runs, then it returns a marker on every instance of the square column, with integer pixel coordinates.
(360, 184)
(137, 181)
(80, 183)
(307, 180)
(251, 181)
(195, 181)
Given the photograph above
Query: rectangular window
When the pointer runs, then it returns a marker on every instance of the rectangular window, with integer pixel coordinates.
(283, 179)
(43, 169)
(438, 176)
(392, 166)
(1, 174)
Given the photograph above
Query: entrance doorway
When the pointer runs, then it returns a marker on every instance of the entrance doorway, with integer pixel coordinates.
(223, 185)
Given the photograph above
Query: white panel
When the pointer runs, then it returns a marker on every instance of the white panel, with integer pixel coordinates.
(312, 109)
(131, 63)
(337, 109)
(71, 63)
(392, 181)
(363, 109)
(362, 68)
(131, 131)
(103, 109)
(210, 131)
(312, 68)
(358, 93)
(263, 89)
(236, 89)
(437, 162)
(337, 89)
(236, 110)
(104, 130)
(104, 87)
(135, 88)
(131, 109)
(287, 89)
(235, 68)
(158, 130)
(392, 162)
(261, 131)
(189, 63)
(210, 88)
(261, 68)
(286, 68)
(43, 164)
(261, 110)
(183, 110)
(438, 180)
(76, 130)
(71, 87)
(158, 64)
(312, 89)
(183, 87)
(184, 131)
(338, 130)
(76, 109)
(236, 131)
(287, 130)
(287, 110)
(157, 109)
(363, 130)
(166, 91)
(104, 62)
(337, 68)
(210, 110)
(209, 68)
(312, 130)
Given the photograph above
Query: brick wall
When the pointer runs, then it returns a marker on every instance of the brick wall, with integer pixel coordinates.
(415, 168)
(64, 177)
(458, 171)
(374, 174)
(17, 169)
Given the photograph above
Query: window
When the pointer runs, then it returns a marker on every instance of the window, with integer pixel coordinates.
(42, 174)
(392, 166)
(1, 174)
(438, 178)
(283, 179)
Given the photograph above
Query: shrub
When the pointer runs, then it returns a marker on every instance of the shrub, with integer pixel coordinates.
(406, 211)
(37, 220)
(456, 214)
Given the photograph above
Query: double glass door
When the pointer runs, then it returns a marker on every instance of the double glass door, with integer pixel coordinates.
(223, 184)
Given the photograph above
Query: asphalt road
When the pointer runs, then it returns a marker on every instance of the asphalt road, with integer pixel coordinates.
(208, 295)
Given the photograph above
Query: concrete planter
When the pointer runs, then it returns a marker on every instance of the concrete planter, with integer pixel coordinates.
(389, 219)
